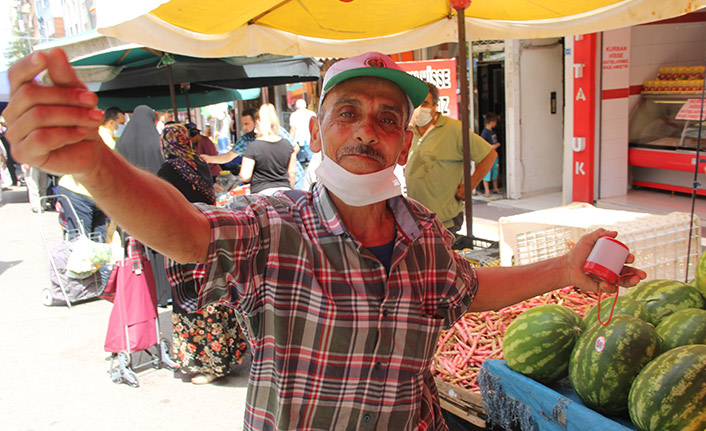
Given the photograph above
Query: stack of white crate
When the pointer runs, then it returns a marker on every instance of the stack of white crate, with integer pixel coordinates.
(660, 243)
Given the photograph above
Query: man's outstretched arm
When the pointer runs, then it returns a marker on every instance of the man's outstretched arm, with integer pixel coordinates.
(55, 128)
(499, 287)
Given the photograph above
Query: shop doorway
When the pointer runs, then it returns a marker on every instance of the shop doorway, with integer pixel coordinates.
(539, 158)
(490, 85)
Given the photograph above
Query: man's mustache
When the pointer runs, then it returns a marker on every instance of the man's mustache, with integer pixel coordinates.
(362, 150)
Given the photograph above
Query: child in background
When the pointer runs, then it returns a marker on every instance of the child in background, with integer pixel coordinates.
(491, 120)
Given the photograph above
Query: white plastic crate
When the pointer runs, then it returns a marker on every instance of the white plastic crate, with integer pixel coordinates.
(659, 242)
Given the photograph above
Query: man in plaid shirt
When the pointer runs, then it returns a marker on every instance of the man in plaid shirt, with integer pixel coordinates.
(344, 290)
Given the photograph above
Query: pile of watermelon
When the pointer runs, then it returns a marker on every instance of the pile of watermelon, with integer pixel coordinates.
(649, 361)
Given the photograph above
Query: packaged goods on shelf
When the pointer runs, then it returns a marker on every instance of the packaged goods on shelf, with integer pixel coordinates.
(676, 80)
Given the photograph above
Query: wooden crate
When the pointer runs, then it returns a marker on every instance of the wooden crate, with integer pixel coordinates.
(461, 402)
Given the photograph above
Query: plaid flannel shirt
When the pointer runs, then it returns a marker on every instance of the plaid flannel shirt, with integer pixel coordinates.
(336, 343)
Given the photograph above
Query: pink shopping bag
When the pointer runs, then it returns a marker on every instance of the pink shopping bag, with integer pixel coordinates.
(134, 310)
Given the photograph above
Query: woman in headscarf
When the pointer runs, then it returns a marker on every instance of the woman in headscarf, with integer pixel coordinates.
(208, 342)
(139, 142)
(139, 145)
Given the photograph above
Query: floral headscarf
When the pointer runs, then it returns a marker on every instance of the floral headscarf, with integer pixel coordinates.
(178, 153)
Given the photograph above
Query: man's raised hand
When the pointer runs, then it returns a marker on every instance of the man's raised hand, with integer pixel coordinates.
(52, 127)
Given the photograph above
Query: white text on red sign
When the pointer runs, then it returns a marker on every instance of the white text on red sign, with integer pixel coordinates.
(441, 78)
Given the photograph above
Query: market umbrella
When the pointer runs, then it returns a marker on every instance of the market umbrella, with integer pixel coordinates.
(143, 77)
(329, 28)
(342, 28)
(157, 99)
(126, 74)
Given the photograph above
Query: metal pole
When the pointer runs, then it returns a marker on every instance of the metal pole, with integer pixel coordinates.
(468, 189)
(695, 185)
(188, 108)
(172, 93)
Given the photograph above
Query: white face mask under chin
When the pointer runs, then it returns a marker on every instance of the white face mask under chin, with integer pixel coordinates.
(358, 190)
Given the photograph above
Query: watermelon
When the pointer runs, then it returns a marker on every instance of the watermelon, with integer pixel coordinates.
(669, 394)
(606, 360)
(623, 305)
(683, 327)
(701, 274)
(539, 341)
(664, 297)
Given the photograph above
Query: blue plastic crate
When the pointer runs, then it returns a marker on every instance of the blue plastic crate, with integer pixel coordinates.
(510, 397)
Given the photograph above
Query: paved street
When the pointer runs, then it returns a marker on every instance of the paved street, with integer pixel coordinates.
(55, 371)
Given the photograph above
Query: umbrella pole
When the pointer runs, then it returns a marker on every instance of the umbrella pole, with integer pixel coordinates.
(468, 189)
(188, 108)
(172, 93)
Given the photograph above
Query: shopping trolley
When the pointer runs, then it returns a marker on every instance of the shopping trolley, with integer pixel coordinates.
(69, 284)
(134, 322)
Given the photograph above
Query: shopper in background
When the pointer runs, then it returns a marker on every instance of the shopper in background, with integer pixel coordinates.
(139, 142)
(232, 126)
(269, 162)
(206, 343)
(160, 124)
(9, 160)
(233, 158)
(204, 146)
(491, 120)
(88, 217)
(299, 129)
(6, 180)
(434, 171)
(300, 174)
(114, 118)
(140, 145)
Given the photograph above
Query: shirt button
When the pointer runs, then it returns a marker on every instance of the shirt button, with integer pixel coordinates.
(375, 265)
(385, 312)
(366, 418)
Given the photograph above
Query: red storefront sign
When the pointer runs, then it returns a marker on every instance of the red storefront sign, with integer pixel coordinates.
(441, 73)
(584, 117)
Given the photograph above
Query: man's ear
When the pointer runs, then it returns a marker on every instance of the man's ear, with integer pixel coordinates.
(404, 154)
(315, 131)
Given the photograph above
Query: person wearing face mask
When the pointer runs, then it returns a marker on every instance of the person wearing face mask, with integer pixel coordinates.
(114, 119)
(233, 158)
(434, 171)
(343, 290)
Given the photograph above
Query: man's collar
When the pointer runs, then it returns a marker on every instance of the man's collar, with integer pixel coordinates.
(409, 222)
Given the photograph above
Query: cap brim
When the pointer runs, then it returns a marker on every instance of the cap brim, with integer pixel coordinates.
(415, 88)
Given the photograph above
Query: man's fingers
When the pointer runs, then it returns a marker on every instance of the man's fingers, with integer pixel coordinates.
(39, 143)
(60, 70)
(43, 116)
(25, 69)
(593, 236)
(631, 276)
(31, 94)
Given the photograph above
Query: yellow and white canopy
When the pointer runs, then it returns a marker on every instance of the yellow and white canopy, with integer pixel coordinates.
(337, 28)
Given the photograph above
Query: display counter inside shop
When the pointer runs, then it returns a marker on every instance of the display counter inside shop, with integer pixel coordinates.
(662, 150)
(510, 397)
